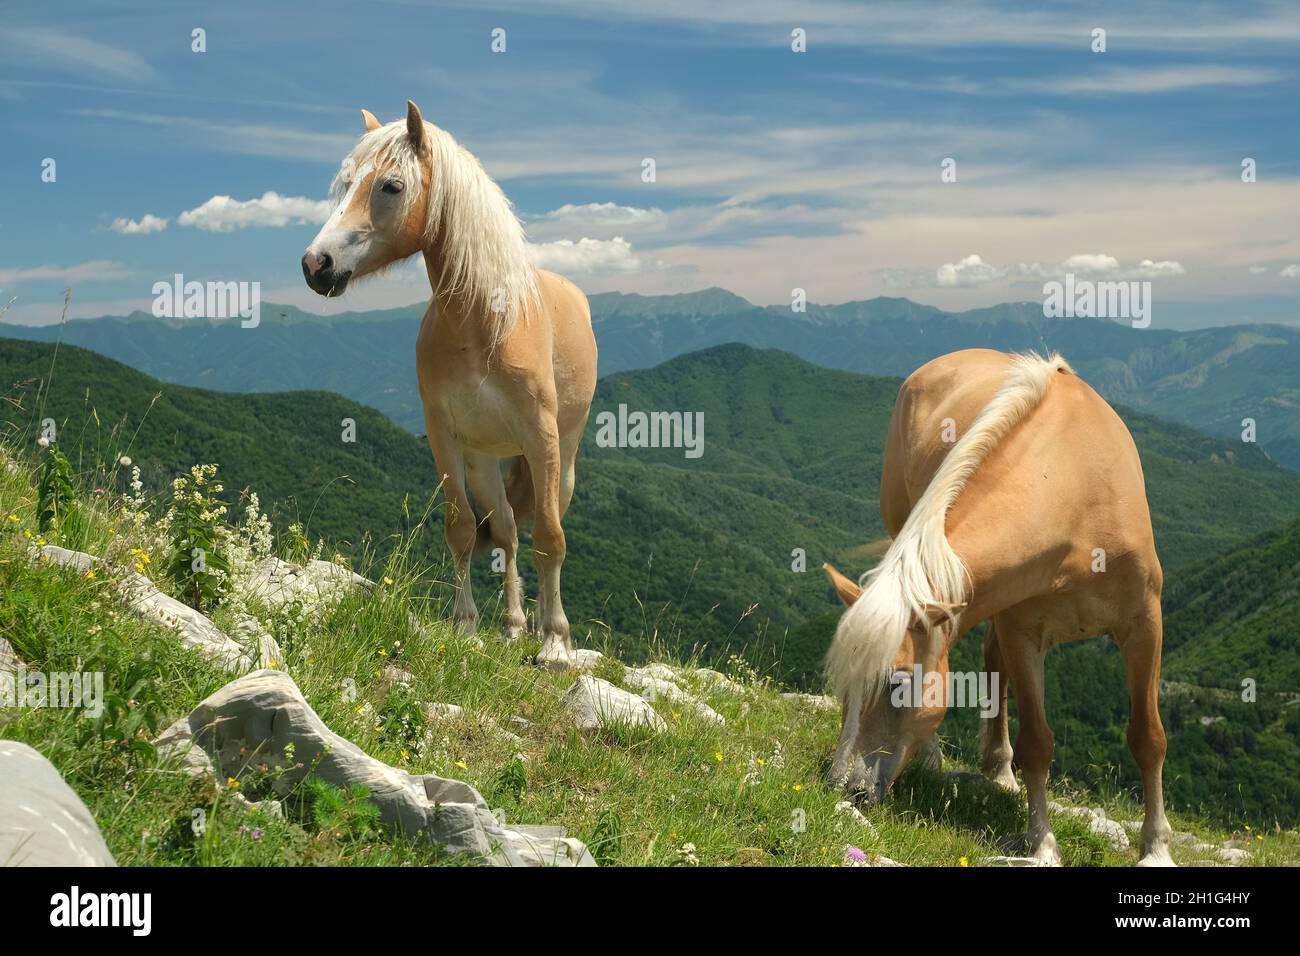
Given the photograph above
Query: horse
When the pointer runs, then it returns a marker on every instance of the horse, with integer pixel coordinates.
(1034, 519)
(505, 356)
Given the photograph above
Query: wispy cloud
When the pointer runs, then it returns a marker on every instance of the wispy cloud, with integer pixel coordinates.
(70, 53)
(138, 227)
(82, 272)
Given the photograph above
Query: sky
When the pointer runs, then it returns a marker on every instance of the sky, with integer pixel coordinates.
(775, 169)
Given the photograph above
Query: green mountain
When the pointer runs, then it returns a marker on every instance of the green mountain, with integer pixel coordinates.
(699, 553)
(1208, 379)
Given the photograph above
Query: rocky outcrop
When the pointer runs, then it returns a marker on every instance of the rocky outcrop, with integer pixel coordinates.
(652, 684)
(260, 729)
(42, 821)
(594, 704)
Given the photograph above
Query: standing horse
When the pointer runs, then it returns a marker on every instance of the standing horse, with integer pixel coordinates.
(1036, 519)
(505, 356)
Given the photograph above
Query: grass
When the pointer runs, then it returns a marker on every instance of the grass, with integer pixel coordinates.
(748, 793)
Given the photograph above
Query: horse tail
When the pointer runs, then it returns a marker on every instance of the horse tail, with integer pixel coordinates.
(921, 580)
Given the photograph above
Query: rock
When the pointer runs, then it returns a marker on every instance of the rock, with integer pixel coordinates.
(594, 703)
(394, 676)
(716, 681)
(519, 723)
(653, 688)
(249, 631)
(443, 711)
(882, 861)
(1011, 861)
(1232, 855)
(276, 583)
(195, 630)
(585, 659)
(815, 701)
(251, 721)
(1112, 831)
(851, 814)
(147, 602)
(548, 846)
(658, 671)
(42, 821)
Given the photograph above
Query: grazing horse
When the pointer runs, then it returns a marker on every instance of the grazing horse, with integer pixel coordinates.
(1035, 518)
(505, 356)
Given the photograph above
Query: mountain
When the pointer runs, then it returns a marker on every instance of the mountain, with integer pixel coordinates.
(697, 554)
(1209, 379)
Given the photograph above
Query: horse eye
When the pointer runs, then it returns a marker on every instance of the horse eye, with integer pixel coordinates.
(392, 186)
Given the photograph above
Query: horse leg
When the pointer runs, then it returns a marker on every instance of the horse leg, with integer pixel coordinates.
(459, 524)
(1022, 649)
(544, 461)
(1140, 642)
(995, 731)
(488, 487)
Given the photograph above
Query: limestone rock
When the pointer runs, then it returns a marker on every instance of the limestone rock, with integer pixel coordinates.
(815, 701)
(42, 821)
(585, 659)
(654, 688)
(594, 703)
(1112, 831)
(717, 681)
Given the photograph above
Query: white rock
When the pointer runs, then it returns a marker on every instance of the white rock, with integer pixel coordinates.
(258, 719)
(717, 681)
(42, 821)
(444, 711)
(1012, 861)
(585, 659)
(851, 814)
(655, 688)
(276, 583)
(196, 631)
(1112, 831)
(659, 671)
(1232, 855)
(594, 703)
(815, 701)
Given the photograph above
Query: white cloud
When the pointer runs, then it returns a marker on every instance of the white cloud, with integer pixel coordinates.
(587, 256)
(224, 214)
(138, 227)
(971, 271)
(1290, 272)
(600, 213)
(82, 272)
(1258, 270)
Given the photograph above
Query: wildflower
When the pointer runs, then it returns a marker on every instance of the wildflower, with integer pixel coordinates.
(124, 461)
(13, 517)
(461, 764)
(91, 574)
(383, 653)
(43, 442)
(854, 857)
(406, 755)
(686, 855)
(964, 861)
(718, 757)
(257, 834)
(388, 580)
(797, 787)
(99, 491)
(232, 783)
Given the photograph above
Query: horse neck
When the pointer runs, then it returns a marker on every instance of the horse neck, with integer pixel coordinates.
(459, 318)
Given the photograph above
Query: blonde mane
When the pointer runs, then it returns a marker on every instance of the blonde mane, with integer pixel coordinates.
(484, 255)
(920, 575)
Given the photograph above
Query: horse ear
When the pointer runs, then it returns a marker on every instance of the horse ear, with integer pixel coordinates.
(414, 124)
(371, 122)
(940, 612)
(847, 590)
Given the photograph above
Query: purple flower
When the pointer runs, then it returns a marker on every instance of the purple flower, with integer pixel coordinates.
(854, 857)
(258, 834)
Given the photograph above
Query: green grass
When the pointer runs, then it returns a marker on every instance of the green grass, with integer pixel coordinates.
(749, 793)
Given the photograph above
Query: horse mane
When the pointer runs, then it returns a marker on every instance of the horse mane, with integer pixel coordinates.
(484, 255)
(921, 573)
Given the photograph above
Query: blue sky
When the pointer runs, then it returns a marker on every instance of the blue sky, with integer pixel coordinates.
(775, 169)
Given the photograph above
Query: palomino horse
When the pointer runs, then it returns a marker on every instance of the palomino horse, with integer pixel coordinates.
(505, 356)
(1034, 518)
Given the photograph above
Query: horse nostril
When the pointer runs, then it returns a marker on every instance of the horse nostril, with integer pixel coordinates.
(314, 263)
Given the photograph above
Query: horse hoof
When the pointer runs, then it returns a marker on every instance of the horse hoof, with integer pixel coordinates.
(555, 655)
(1159, 857)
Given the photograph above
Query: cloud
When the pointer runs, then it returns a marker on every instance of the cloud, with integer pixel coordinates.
(586, 215)
(1258, 270)
(1160, 80)
(973, 271)
(1290, 272)
(592, 257)
(82, 272)
(138, 227)
(77, 54)
(224, 214)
